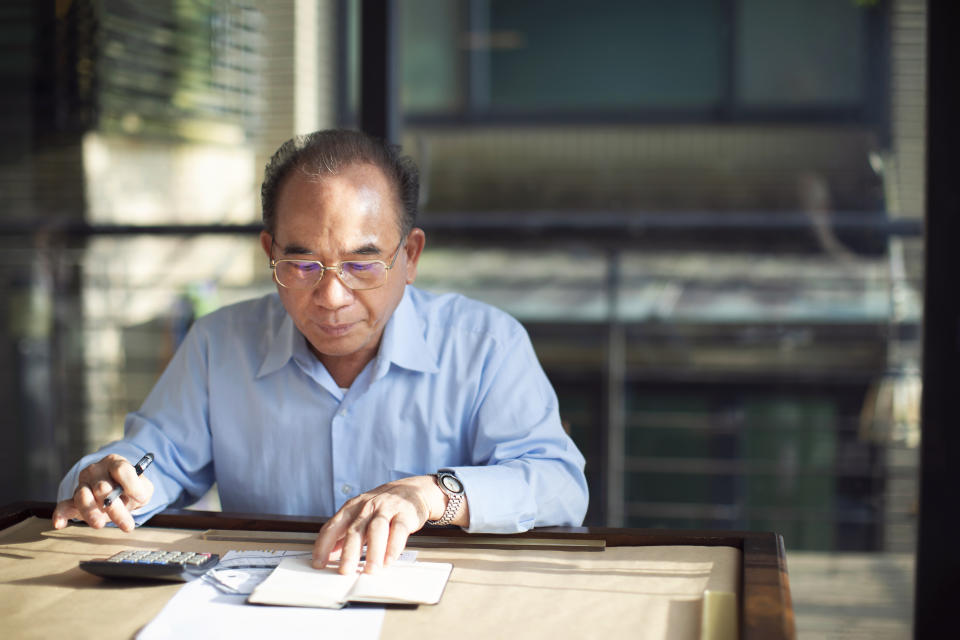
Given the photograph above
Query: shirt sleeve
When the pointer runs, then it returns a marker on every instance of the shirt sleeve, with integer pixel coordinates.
(526, 470)
(172, 424)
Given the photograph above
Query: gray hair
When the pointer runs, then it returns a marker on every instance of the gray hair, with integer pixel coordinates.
(324, 153)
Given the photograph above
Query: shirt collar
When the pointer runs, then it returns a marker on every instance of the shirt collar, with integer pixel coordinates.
(280, 346)
(403, 343)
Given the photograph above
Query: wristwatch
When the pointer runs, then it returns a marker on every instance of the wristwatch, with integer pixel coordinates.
(450, 484)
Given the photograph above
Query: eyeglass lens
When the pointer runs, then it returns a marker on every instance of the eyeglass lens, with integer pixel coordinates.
(303, 274)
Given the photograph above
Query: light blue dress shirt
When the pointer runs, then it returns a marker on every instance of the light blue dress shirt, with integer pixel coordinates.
(456, 383)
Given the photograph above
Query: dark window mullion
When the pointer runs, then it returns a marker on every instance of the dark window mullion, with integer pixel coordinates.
(727, 107)
(476, 59)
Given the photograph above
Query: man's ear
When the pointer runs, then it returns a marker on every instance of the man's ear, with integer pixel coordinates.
(266, 241)
(414, 247)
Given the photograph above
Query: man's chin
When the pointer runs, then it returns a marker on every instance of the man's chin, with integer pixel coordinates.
(333, 348)
(337, 344)
(325, 346)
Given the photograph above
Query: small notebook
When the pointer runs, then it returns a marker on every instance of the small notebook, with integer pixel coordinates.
(295, 583)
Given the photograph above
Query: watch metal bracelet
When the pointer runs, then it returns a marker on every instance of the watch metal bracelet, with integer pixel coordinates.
(451, 486)
(453, 506)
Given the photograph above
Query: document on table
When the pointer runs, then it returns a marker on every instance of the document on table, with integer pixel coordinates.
(239, 572)
(215, 606)
(200, 610)
(296, 583)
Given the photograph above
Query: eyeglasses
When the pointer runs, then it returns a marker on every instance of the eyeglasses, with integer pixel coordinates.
(355, 274)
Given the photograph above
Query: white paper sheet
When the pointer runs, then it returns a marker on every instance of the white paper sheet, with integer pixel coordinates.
(199, 610)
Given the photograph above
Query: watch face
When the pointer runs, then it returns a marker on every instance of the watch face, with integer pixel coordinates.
(452, 484)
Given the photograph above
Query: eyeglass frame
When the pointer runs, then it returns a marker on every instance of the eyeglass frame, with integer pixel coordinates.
(337, 268)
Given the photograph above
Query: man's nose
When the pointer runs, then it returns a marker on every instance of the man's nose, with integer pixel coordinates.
(331, 293)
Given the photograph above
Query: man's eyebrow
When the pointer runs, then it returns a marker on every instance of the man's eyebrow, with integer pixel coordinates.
(367, 250)
(295, 249)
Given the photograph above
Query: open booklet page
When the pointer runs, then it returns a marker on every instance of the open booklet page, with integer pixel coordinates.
(296, 583)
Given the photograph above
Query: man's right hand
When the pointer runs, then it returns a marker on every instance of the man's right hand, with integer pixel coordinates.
(95, 482)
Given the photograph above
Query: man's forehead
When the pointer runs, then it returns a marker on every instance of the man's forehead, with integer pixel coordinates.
(368, 198)
(321, 236)
(295, 244)
(356, 195)
(361, 178)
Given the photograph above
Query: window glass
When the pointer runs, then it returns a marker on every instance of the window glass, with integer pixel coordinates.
(570, 55)
(642, 60)
(430, 73)
(799, 52)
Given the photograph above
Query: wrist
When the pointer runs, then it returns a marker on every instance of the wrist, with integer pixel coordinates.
(454, 497)
(434, 499)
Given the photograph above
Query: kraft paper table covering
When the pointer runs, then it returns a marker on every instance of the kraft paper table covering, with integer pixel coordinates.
(634, 591)
(637, 592)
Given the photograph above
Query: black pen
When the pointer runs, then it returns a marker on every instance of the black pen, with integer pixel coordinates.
(140, 467)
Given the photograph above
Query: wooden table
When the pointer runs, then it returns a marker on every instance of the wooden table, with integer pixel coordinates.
(765, 609)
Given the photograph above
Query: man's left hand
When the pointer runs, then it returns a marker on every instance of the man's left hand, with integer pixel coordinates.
(383, 519)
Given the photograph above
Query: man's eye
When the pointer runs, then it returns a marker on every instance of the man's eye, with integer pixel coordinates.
(360, 267)
(305, 267)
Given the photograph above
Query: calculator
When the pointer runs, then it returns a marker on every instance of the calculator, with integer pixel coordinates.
(151, 564)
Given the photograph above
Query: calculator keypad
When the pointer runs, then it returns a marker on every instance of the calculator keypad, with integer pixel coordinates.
(152, 564)
(147, 556)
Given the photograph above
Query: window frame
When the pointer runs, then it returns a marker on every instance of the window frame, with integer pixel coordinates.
(872, 110)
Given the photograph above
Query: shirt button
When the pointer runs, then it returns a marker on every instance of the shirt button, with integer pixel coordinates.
(342, 412)
(346, 489)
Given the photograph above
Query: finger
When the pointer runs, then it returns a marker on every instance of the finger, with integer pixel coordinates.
(399, 532)
(100, 470)
(101, 489)
(124, 474)
(132, 502)
(97, 478)
(352, 548)
(329, 539)
(378, 531)
(334, 555)
(86, 504)
(63, 513)
(120, 515)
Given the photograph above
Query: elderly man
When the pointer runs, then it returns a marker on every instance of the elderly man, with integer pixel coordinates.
(347, 393)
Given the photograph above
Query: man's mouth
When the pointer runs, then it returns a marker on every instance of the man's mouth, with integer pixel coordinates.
(336, 330)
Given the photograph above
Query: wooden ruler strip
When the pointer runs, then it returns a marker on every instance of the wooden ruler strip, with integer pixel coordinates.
(422, 542)
(502, 542)
(238, 535)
